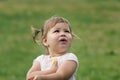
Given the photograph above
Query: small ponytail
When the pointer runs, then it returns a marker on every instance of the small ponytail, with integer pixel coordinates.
(35, 34)
(75, 36)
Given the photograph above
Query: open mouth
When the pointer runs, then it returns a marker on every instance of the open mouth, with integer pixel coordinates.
(63, 40)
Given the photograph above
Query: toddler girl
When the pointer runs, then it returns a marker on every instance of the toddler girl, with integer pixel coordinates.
(58, 63)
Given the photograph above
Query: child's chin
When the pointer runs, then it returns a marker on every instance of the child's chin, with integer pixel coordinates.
(63, 50)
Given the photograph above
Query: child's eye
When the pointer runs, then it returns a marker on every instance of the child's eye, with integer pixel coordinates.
(67, 31)
(56, 31)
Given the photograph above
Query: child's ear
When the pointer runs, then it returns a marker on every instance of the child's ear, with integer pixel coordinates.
(45, 42)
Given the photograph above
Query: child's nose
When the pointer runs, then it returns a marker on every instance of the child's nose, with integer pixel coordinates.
(62, 34)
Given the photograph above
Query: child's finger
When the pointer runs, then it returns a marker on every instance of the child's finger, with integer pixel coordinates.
(35, 78)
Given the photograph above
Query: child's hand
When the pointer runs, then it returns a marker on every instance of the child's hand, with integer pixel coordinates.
(31, 77)
(37, 77)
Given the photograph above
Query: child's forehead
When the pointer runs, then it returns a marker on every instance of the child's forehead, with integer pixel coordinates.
(61, 26)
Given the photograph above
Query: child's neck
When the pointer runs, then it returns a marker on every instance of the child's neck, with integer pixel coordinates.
(52, 54)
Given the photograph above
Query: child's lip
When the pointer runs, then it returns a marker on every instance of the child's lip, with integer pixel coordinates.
(63, 39)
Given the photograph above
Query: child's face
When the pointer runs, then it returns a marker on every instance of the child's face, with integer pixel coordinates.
(59, 38)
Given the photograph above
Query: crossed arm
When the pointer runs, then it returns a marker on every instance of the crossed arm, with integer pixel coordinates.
(64, 72)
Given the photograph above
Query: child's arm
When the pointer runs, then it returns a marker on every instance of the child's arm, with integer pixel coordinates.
(35, 70)
(64, 72)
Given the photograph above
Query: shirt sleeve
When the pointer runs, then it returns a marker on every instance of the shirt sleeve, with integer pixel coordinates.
(38, 59)
(71, 56)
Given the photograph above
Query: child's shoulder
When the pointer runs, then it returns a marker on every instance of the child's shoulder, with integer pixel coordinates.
(70, 55)
(41, 57)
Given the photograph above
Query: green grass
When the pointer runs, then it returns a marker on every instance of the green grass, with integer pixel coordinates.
(96, 22)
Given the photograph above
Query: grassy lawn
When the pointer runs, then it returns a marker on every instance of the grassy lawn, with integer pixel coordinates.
(96, 22)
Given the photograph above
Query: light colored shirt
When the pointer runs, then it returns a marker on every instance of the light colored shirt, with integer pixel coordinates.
(46, 61)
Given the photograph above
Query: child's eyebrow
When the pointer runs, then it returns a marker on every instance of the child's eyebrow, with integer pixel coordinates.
(64, 28)
(57, 28)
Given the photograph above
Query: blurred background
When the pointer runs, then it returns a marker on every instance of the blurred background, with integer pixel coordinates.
(96, 22)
